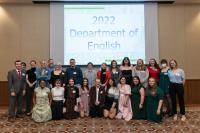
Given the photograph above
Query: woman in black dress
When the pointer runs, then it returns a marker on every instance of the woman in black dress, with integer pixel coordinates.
(71, 100)
(126, 70)
(57, 73)
(111, 99)
(115, 71)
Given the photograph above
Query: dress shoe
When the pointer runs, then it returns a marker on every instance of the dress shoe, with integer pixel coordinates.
(28, 114)
(19, 116)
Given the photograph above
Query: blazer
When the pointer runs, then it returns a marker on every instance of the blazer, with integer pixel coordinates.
(101, 97)
(16, 84)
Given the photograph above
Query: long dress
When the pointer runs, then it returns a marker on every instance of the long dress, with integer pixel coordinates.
(124, 112)
(164, 82)
(71, 95)
(128, 76)
(135, 102)
(116, 75)
(42, 109)
(54, 77)
(152, 102)
(84, 99)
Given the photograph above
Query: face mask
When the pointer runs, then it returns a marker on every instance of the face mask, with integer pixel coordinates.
(164, 65)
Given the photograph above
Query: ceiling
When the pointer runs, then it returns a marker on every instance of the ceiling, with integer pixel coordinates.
(30, 1)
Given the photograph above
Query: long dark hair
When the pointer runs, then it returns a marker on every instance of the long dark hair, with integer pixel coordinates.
(136, 77)
(71, 79)
(121, 78)
(82, 85)
(155, 65)
(129, 62)
(108, 86)
(111, 65)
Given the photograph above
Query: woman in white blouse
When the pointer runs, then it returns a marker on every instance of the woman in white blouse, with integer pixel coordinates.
(111, 99)
(57, 100)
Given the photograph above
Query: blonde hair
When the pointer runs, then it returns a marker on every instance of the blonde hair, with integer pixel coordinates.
(143, 67)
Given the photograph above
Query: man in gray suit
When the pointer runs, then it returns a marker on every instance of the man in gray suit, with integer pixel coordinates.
(16, 84)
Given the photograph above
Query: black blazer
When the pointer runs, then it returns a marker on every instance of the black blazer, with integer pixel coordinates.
(101, 97)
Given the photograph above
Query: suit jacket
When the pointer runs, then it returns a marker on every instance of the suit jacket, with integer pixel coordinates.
(15, 83)
(93, 72)
(101, 97)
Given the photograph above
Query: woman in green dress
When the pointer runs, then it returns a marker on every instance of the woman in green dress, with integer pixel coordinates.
(41, 103)
(137, 99)
(154, 101)
(164, 85)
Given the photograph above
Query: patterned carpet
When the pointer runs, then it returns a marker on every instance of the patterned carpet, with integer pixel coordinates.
(101, 125)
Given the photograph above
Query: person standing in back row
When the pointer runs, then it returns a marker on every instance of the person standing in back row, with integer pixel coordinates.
(30, 86)
(126, 70)
(142, 72)
(16, 85)
(75, 73)
(90, 74)
(176, 88)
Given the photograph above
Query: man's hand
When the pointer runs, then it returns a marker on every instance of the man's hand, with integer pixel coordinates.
(13, 93)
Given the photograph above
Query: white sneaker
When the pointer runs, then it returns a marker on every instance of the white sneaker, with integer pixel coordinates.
(183, 118)
(175, 117)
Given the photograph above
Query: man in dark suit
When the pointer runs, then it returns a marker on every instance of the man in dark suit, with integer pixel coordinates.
(16, 84)
(97, 99)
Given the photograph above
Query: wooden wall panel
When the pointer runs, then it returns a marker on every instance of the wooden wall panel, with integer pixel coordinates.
(4, 93)
(192, 92)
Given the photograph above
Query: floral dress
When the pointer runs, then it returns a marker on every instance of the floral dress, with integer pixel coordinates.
(42, 110)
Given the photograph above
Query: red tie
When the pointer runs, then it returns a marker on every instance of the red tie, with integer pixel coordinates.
(19, 74)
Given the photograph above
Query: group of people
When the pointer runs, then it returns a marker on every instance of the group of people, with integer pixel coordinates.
(126, 92)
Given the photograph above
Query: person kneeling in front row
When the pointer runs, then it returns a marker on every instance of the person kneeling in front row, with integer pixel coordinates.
(97, 99)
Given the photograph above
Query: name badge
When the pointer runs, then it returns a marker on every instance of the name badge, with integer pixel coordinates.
(177, 74)
(23, 74)
(104, 72)
(74, 73)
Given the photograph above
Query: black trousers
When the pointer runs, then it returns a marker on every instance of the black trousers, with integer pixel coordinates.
(29, 98)
(177, 90)
(96, 111)
(57, 109)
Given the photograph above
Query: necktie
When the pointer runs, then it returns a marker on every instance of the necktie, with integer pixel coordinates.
(19, 74)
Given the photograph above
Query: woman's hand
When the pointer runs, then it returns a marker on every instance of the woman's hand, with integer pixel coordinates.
(140, 106)
(125, 104)
(158, 112)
